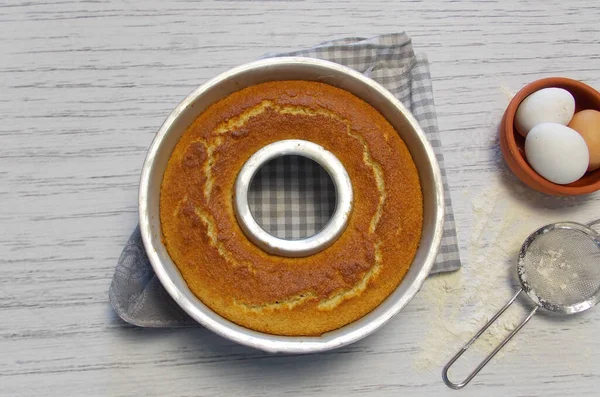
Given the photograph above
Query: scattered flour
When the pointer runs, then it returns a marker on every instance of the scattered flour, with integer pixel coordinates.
(545, 272)
(507, 92)
(464, 301)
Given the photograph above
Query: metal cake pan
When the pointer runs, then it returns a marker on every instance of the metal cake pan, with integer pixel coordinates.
(291, 68)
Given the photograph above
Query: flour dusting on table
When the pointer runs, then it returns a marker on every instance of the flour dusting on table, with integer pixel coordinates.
(463, 301)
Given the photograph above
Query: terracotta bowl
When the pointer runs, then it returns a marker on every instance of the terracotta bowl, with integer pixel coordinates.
(513, 144)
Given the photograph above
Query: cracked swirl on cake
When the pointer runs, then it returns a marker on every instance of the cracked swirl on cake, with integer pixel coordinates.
(281, 295)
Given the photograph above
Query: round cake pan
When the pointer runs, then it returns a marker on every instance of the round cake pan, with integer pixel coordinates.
(291, 68)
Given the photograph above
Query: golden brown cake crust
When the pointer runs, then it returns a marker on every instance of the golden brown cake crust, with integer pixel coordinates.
(273, 294)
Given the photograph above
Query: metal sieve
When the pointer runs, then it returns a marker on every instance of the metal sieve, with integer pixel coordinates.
(559, 269)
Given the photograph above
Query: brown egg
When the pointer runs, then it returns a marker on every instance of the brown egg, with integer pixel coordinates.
(587, 123)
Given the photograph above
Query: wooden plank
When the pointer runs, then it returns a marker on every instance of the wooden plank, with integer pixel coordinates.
(85, 85)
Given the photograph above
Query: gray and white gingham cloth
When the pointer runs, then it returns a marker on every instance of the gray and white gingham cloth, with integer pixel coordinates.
(136, 294)
(292, 197)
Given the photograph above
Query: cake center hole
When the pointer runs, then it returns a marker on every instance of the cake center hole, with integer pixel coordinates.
(292, 197)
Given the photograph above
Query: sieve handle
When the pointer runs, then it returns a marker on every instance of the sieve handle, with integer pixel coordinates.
(457, 386)
(593, 223)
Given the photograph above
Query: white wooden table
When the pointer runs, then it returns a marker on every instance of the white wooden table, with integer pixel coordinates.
(85, 85)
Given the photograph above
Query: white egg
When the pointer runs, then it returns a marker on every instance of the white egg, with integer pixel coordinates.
(548, 105)
(556, 152)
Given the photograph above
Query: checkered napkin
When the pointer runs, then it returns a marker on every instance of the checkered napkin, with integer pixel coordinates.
(292, 197)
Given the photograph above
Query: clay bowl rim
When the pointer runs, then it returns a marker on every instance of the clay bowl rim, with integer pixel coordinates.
(509, 131)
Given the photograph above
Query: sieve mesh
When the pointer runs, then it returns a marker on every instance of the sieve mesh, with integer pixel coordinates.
(562, 267)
